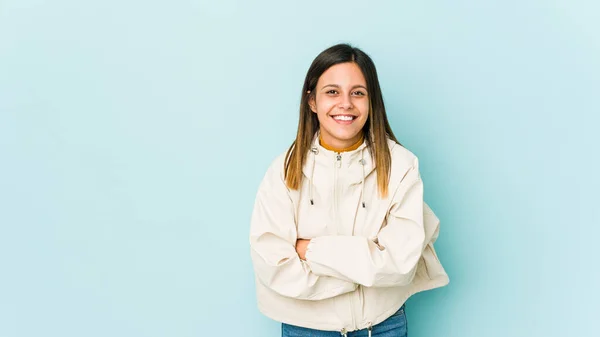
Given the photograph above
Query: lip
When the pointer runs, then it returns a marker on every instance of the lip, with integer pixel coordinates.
(344, 122)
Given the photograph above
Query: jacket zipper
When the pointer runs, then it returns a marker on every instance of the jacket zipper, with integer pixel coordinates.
(356, 309)
(338, 162)
(338, 165)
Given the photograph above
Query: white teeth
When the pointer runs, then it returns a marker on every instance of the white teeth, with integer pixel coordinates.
(343, 118)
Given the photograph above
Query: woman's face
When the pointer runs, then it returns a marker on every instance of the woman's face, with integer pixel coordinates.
(341, 102)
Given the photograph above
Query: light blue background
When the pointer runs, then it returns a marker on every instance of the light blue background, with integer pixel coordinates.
(133, 136)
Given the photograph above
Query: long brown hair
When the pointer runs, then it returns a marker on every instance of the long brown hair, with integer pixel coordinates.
(376, 130)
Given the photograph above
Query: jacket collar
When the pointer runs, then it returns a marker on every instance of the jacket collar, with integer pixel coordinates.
(351, 160)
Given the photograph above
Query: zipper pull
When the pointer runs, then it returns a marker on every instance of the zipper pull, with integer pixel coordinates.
(339, 160)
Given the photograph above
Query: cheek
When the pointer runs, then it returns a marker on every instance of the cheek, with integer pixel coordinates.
(325, 105)
(363, 106)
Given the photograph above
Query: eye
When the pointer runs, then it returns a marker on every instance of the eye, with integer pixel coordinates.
(359, 93)
(332, 92)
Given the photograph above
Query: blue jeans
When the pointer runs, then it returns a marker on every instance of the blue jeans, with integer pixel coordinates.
(394, 326)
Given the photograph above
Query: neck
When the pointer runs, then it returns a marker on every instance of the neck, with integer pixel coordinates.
(352, 147)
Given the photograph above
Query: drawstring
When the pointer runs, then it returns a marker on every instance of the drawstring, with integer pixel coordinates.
(362, 162)
(362, 185)
(315, 152)
(344, 332)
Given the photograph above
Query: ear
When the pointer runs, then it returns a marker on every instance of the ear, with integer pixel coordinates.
(312, 102)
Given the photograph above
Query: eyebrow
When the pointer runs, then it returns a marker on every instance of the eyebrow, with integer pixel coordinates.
(337, 86)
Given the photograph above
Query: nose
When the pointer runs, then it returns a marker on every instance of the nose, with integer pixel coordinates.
(345, 103)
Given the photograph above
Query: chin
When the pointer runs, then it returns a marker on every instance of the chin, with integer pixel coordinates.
(345, 135)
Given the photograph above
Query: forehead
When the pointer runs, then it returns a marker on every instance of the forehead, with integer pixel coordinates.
(347, 73)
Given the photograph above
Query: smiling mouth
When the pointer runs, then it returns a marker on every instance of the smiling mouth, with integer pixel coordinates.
(344, 118)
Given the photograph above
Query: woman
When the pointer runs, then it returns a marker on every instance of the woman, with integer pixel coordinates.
(340, 236)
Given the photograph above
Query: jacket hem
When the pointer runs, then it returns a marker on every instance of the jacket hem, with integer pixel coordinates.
(387, 313)
(326, 326)
(304, 324)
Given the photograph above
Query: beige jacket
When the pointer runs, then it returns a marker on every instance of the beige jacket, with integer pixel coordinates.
(367, 255)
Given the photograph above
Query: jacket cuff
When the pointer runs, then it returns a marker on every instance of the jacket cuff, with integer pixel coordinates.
(313, 251)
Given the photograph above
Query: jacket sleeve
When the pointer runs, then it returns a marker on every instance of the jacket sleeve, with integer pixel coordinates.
(273, 238)
(388, 260)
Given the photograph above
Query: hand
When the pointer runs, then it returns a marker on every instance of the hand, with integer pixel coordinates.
(301, 245)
